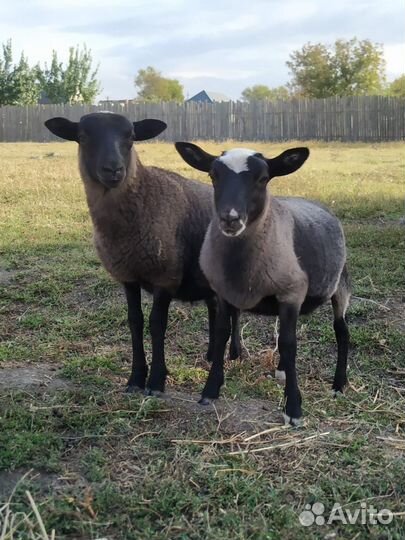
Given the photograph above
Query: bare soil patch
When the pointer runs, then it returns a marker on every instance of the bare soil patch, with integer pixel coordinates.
(6, 276)
(233, 416)
(32, 377)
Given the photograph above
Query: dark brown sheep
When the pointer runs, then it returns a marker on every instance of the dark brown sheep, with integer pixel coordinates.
(149, 225)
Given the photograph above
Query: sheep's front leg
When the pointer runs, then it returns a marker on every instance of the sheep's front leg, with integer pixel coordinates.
(235, 348)
(139, 370)
(212, 313)
(287, 344)
(222, 332)
(157, 326)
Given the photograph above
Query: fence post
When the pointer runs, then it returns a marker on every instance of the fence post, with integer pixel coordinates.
(354, 118)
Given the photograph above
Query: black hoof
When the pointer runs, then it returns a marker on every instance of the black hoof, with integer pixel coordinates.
(293, 411)
(235, 352)
(205, 401)
(338, 388)
(294, 422)
(133, 389)
(154, 393)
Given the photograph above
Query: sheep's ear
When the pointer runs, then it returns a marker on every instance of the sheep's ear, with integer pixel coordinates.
(63, 128)
(147, 129)
(195, 156)
(287, 162)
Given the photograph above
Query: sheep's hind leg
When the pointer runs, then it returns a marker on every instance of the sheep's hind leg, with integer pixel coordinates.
(136, 381)
(287, 344)
(342, 339)
(212, 312)
(235, 348)
(279, 374)
(340, 302)
(158, 325)
(216, 375)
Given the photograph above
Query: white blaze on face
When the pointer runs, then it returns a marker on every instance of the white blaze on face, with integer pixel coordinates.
(236, 159)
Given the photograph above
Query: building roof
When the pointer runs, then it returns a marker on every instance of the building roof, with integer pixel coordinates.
(209, 96)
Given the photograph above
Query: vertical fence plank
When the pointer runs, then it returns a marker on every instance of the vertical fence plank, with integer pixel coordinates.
(354, 118)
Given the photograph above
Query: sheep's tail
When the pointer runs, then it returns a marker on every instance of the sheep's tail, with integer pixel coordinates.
(341, 297)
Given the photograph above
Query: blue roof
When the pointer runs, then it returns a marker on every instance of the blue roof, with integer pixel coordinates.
(209, 97)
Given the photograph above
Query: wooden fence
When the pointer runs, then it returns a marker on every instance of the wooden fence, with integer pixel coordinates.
(366, 118)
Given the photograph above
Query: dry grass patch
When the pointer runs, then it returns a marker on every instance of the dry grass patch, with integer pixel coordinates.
(109, 465)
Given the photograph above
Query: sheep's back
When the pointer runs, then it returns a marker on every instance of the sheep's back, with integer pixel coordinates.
(319, 244)
(189, 208)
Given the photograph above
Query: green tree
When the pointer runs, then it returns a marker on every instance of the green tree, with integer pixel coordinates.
(6, 63)
(347, 68)
(75, 83)
(25, 85)
(152, 86)
(397, 87)
(18, 82)
(261, 92)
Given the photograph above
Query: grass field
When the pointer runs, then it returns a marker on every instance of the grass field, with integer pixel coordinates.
(102, 464)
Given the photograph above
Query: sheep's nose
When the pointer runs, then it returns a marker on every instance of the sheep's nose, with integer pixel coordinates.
(230, 216)
(113, 169)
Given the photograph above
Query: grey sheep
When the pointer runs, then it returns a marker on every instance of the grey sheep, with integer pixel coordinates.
(280, 256)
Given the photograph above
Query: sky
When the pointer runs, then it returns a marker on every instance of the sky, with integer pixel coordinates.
(221, 46)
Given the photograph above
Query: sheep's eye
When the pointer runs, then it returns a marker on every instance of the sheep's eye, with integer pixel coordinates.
(263, 180)
(83, 138)
(212, 176)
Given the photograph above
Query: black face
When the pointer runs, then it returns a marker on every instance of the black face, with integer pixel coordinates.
(240, 178)
(105, 140)
(105, 146)
(239, 196)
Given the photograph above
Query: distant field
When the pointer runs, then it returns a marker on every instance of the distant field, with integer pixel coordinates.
(103, 464)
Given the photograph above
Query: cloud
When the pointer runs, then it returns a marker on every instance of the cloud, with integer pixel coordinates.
(227, 45)
(395, 55)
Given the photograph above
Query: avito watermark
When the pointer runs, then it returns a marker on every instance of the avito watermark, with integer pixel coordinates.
(364, 514)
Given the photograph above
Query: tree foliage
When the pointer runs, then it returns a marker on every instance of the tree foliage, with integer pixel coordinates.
(74, 83)
(18, 82)
(21, 84)
(347, 68)
(152, 86)
(397, 87)
(261, 92)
